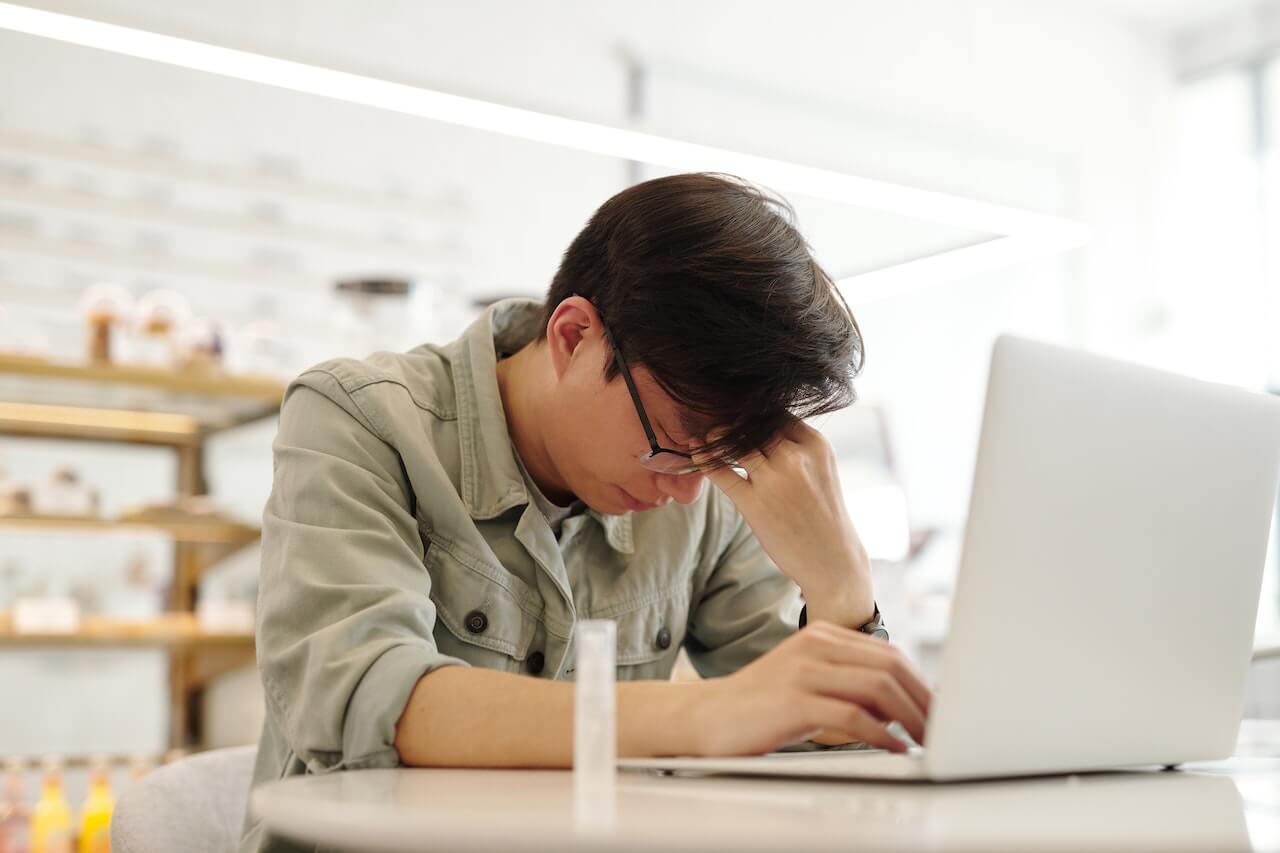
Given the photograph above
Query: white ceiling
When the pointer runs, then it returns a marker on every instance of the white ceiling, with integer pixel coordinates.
(1173, 17)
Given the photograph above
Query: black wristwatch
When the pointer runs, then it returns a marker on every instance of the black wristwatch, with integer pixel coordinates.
(875, 627)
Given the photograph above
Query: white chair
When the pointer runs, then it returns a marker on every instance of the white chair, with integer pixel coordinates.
(196, 805)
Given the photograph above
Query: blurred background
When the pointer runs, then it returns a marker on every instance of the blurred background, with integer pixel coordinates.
(175, 244)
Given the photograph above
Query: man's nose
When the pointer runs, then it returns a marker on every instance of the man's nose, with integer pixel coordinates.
(684, 488)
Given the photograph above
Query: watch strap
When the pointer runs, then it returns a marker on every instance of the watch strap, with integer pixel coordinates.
(874, 626)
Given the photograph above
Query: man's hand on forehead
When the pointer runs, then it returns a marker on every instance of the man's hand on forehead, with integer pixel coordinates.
(791, 497)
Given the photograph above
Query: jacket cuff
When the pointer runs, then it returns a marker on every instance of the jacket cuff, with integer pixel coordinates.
(369, 728)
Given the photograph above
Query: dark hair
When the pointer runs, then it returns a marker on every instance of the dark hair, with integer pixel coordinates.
(704, 280)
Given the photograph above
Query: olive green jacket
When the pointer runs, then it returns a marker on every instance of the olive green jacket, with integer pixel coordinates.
(400, 537)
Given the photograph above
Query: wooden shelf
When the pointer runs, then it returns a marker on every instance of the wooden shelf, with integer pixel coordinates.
(172, 630)
(207, 384)
(220, 533)
(136, 404)
(145, 405)
(39, 420)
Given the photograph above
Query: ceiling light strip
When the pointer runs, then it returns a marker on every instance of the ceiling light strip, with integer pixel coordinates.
(534, 126)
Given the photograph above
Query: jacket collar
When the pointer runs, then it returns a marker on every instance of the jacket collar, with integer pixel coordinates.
(491, 480)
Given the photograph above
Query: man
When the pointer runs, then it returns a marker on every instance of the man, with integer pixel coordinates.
(441, 518)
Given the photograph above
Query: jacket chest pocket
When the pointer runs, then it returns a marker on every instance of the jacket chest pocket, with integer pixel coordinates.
(484, 615)
(650, 636)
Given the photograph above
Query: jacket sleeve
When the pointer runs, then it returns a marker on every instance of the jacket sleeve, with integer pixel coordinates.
(345, 618)
(747, 605)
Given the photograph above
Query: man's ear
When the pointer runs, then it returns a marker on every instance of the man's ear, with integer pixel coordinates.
(573, 322)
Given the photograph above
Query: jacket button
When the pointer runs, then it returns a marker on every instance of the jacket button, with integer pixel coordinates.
(536, 662)
(664, 638)
(477, 622)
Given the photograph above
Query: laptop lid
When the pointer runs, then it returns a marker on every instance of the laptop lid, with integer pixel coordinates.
(1110, 572)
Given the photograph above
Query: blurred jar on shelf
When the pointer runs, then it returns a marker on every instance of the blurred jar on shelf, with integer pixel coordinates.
(225, 615)
(137, 594)
(378, 313)
(260, 347)
(65, 493)
(15, 496)
(15, 834)
(158, 318)
(45, 608)
(200, 346)
(10, 581)
(106, 308)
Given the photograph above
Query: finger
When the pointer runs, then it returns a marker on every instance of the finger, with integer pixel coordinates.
(830, 737)
(722, 475)
(873, 689)
(726, 480)
(797, 431)
(856, 722)
(845, 646)
(716, 435)
(754, 463)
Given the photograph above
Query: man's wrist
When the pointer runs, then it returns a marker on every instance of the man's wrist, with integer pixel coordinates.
(851, 603)
(660, 718)
(853, 616)
(874, 626)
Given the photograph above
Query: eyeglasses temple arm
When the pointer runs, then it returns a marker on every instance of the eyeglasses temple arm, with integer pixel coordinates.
(631, 387)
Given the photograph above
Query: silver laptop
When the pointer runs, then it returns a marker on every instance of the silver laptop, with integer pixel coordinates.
(1108, 587)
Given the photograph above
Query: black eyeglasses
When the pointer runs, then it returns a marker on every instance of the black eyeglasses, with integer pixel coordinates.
(663, 460)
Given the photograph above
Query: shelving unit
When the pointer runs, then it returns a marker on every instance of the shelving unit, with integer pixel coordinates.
(157, 407)
(212, 533)
(172, 630)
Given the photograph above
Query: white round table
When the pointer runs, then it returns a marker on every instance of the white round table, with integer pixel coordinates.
(1229, 805)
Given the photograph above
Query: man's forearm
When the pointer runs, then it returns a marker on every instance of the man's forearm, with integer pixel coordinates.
(470, 717)
(847, 598)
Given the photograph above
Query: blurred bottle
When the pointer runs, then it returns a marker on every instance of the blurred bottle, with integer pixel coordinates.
(66, 493)
(95, 820)
(261, 347)
(51, 817)
(159, 317)
(103, 306)
(199, 346)
(15, 834)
